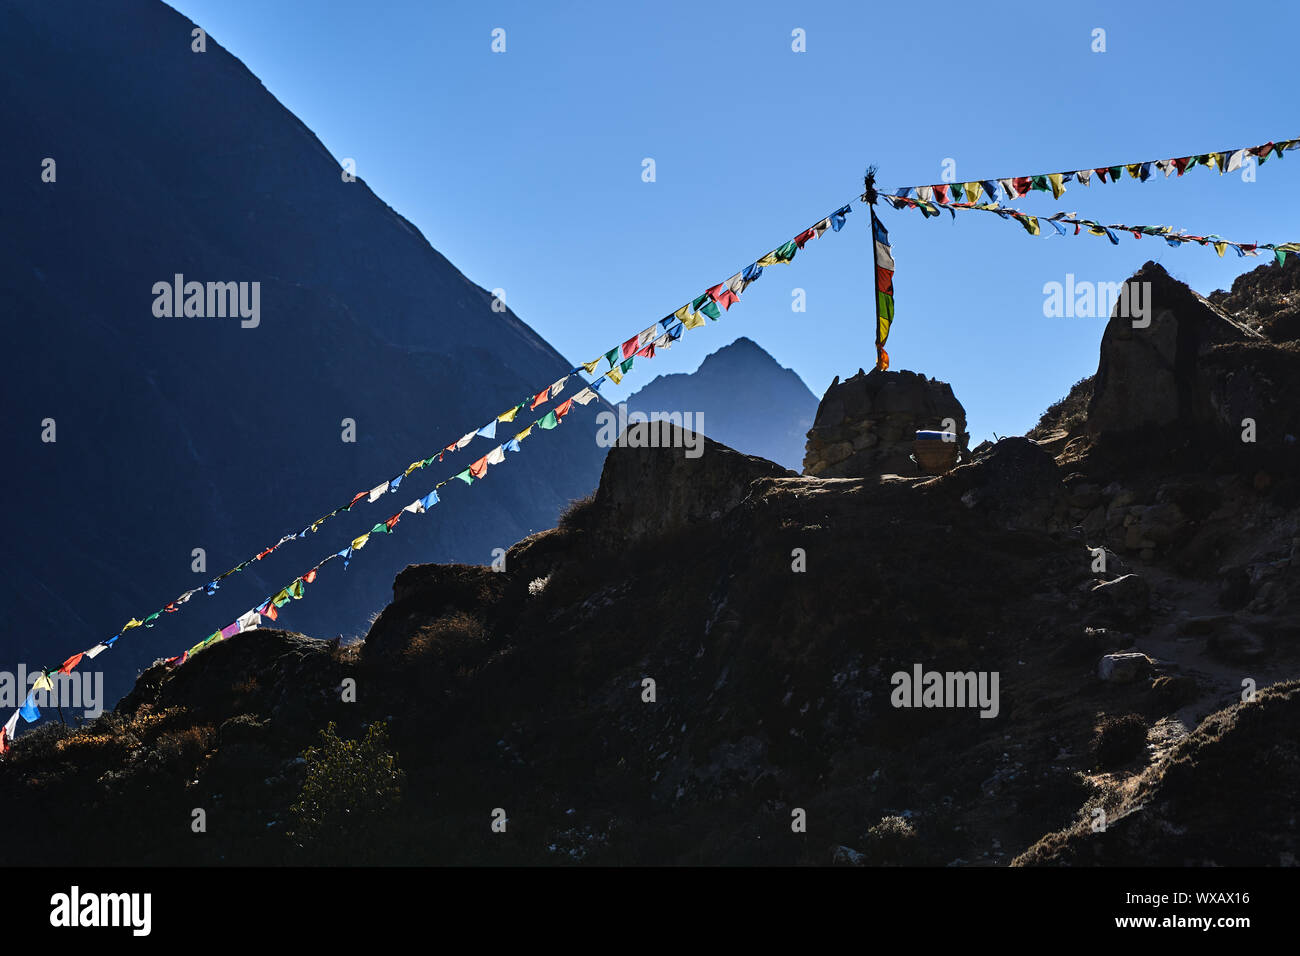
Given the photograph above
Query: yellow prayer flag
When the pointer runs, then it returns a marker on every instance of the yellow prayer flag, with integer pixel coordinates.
(1058, 185)
(693, 321)
(614, 375)
(131, 623)
(972, 191)
(524, 434)
(412, 466)
(768, 260)
(43, 683)
(591, 366)
(359, 543)
(1219, 247)
(508, 416)
(1134, 170)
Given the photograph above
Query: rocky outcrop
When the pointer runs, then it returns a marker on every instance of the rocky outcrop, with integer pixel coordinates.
(1242, 764)
(1015, 484)
(1257, 382)
(1147, 375)
(660, 478)
(1266, 299)
(865, 425)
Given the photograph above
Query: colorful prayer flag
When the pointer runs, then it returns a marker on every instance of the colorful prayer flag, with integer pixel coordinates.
(884, 289)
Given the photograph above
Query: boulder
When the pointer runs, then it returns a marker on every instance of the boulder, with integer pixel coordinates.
(1123, 668)
(661, 478)
(1016, 485)
(866, 424)
(1147, 375)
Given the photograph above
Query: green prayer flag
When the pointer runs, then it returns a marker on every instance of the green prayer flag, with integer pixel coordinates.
(1040, 183)
(611, 357)
(885, 305)
(627, 364)
(784, 254)
(295, 589)
(550, 421)
(281, 599)
(380, 528)
(466, 477)
(711, 309)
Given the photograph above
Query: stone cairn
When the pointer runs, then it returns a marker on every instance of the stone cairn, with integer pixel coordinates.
(866, 425)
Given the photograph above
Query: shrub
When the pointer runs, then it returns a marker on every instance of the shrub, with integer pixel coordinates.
(351, 789)
(450, 636)
(184, 745)
(1119, 740)
(579, 514)
(891, 842)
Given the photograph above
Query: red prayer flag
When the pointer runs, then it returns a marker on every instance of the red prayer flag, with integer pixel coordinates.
(269, 550)
(1181, 164)
(360, 495)
(70, 663)
(390, 522)
(1022, 184)
(885, 280)
(717, 290)
(309, 577)
(479, 468)
(541, 396)
(1102, 172)
(567, 406)
(269, 610)
(648, 351)
(941, 193)
(728, 299)
(800, 239)
(629, 349)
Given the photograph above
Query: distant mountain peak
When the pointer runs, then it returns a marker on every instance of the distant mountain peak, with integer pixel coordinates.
(748, 400)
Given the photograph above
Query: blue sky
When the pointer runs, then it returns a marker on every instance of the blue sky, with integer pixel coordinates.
(524, 168)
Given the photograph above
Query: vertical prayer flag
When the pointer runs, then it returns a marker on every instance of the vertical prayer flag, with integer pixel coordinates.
(884, 289)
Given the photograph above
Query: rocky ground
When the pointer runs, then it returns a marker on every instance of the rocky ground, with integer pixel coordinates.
(1133, 580)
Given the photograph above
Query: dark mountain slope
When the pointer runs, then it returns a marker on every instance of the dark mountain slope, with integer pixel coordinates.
(183, 433)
